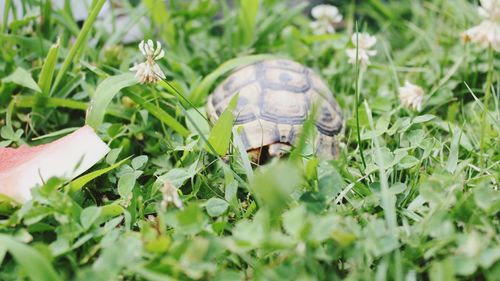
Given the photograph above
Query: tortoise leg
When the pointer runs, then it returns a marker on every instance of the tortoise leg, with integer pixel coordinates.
(279, 149)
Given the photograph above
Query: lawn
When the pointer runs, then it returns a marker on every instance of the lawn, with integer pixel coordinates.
(412, 194)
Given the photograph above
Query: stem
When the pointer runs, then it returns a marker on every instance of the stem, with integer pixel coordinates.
(487, 93)
(356, 101)
(6, 9)
(78, 42)
(388, 200)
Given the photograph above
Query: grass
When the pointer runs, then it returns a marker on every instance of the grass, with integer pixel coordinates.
(412, 195)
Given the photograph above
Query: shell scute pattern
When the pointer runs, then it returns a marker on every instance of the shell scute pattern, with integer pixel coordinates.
(275, 98)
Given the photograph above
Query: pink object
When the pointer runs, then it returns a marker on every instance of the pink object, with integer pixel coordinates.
(26, 167)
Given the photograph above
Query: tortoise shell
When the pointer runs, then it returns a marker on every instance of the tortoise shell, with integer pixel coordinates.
(276, 96)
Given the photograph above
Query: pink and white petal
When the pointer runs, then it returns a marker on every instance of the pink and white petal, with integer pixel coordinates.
(23, 168)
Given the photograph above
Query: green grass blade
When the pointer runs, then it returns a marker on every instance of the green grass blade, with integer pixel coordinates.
(6, 9)
(388, 199)
(220, 136)
(62, 132)
(201, 91)
(279, 23)
(159, 113)
(103, 95)
(30, 101)
(79, 43)
(83, 180)
(247, 15)
(23, 78)
(47, 73)
(34, 264)
(163, 20)
(34, 45)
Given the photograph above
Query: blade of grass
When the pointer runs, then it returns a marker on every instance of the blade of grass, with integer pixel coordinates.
(274, 26)
(51, 102)
(388, 200)
(83, 180)
(64, 131)
(23, 78)
(34, 264)
(238, 143)
(104, 93)
(158, 113)
(47, 72)
(358, 80)
(163, 20)
(79, 43)
(35, 45)
(481, 106)
(202, 136)
(6, 9)
(247, 15)
(220, 135)
(489, 82)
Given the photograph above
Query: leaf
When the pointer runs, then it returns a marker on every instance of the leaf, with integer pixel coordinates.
(47, 72)
(89, 215)
(487, 198)
(83, 180)
(197, 120)
(273, 185)
(230, 193)
(451, 164)
(178, 176)
(200, 92)
(220, 136)
(442, 271)
(423, 118)
(159, 113)
(126, 183)
(275, 25)
(407, 162)
(34, 264)
(464, 265)
(23, 78)
(216, 207)
(246, 19)
(162, 19)
(149, 274)
(190, 220)
(34, 45)
(61, 132)
(139, 161)
(240, 147)
(79, 42)
(103, 95)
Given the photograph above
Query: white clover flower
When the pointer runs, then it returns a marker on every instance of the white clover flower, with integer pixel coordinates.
(411, 96)
(490, 9)
(170, 196)
(149, 71)
(364, 41)
(325, 17)
(487, 33)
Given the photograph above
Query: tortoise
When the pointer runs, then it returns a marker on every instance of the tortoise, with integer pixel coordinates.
(276, 96)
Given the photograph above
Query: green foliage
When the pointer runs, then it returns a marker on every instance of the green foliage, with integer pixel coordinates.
(23, 78)
(424, 204)
(35, 265)
(220, 136)
(47, 72)
(103, 95)
(247, 15)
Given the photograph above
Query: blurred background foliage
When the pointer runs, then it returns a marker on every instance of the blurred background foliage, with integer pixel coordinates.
(305, 219)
